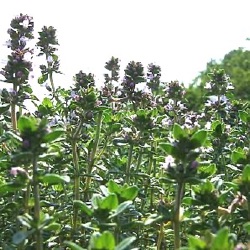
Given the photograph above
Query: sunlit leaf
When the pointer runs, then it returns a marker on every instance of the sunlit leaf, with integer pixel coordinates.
(73, 246)
(83, 207)
(199, 138)
(179, 132)
(53, 135)
(53, 179)
(130, 193)
(124, 205)
(125, 243)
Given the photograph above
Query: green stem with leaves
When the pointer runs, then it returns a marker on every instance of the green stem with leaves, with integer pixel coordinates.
(50, 73)
(76, 173)
(130, 152)
(92, 157)
(37, 209)
(13, 110)
(176, 221)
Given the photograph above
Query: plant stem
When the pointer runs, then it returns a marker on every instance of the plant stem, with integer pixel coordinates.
(13, 110)
(139, 160)
(130, 152)
(160, 237)
(92, 157)
(176, 221)
(76, 173)
(147, 184)
(36, 193)
(50, 73)
(76, 183)
(51, 81)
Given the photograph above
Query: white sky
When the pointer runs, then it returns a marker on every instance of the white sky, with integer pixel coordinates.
(179, 35)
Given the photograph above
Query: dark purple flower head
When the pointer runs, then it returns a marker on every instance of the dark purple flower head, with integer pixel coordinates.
(194, 165)
(26, 143)
(19, 74)
(132, 85)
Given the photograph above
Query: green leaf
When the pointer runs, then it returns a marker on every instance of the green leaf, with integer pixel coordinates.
(246, 174)
(167, 147)
(179, 132)
(199, 138)
(221, 240)
(20, 236)
(244, 116)
(125, 243)
(47, 103)
(124, 205)
(83, 207)
(196, 243)
(43, 78)
(246, 227)
(56, 227)
(193, 180)
(153, 218)
(238, 155)
(218, 129)
(113, 187)
(54, 179)
(207, 170)
(130, 193)
(73, 246)
(10, 187)
(53, 135)
(206, 187)
(4, 108)
(27, 123)
(102, 241)
(110, 202)
(55, 57)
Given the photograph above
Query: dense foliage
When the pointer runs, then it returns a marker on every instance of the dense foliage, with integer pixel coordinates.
(117, 167)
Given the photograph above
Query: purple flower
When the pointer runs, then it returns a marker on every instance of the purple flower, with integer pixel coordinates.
(26, 143)
(49, 59)
(16, 170)
(25, 23)
(74, 96)
(194, 165)
(169, 160)
(132, 85)
(19, 74)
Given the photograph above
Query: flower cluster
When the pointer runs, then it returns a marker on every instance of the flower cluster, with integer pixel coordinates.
(83, 80)
(113, 66)
(47, 41)
(174, 90)
(219, 83)
(153, 77)
(134, 74)
(19, 65)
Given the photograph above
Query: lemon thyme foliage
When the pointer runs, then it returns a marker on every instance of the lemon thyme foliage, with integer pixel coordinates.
(127, 165)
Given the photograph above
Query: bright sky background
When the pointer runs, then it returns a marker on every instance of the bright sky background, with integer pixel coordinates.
(179, 35)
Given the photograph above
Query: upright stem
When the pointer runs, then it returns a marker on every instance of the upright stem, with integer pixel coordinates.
(178, 198)
(160, 237)
(76, 173)
(147, 184)
(76, 183)
(93, 153)
(130, 152)
(50, 74)
(36, 193)
(13, 110)
(139, 160)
